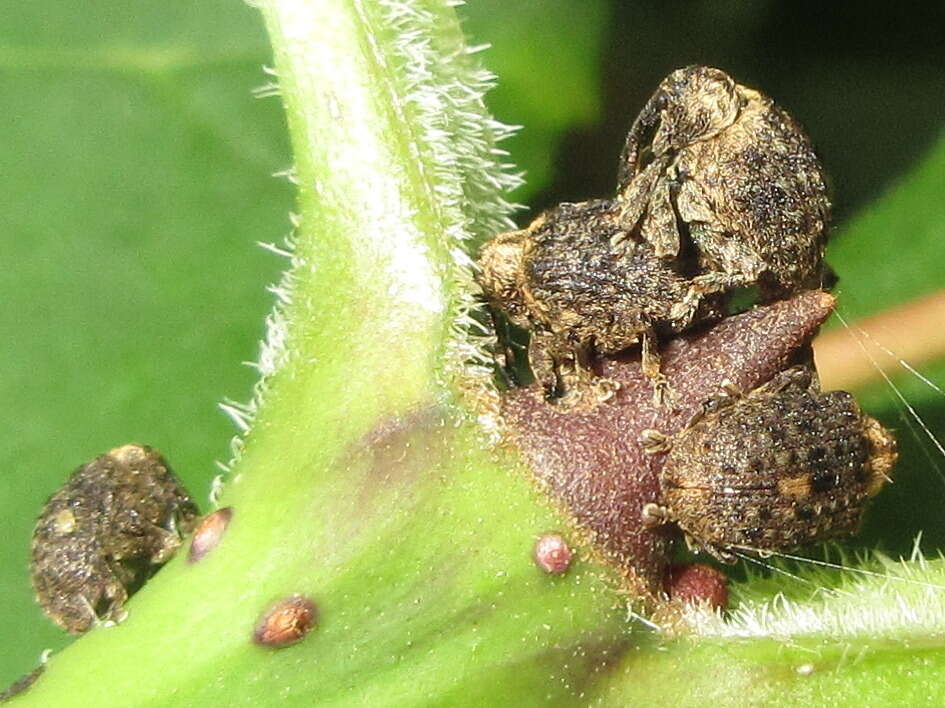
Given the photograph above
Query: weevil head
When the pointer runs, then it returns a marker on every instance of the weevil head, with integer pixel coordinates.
(502, 273)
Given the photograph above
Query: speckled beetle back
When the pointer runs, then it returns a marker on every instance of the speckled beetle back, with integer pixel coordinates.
(719, 190)
(104, 532)
(784, 466)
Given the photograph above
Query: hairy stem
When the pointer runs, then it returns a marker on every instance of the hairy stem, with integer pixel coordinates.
(363, 483)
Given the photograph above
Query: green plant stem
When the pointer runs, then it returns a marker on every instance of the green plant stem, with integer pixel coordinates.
(766, 672)
(363, 481)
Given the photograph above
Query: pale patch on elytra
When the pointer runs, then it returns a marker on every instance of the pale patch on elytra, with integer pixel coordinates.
(848, 600)
(795, 487)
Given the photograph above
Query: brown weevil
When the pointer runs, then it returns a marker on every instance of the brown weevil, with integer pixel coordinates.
(114, 521)
(717, 172)
(719, 189)
(591, 463)
(561, 279)
(780, 467)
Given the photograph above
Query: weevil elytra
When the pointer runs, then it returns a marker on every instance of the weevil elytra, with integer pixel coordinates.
(780, 467)
(114, 521)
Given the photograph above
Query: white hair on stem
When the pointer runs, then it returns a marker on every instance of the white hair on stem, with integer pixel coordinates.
(442, 85)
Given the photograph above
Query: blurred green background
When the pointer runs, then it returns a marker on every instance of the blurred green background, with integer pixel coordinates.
(137, 179)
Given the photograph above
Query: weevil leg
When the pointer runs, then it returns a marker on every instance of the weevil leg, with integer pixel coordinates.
(564, 370)
(505, 351)
(603, 388)
(635, 199)
(660, 228)
(541, 359)
(651, 364)
(717, 552)
(655, 515)
(599, 388)
(801, 376)
(684, 311)
(95, 621)
(730, 389)
(581, 387)
(167, 544)
(728, 394)
(722, 555)
(640, 134)
(116, 594)
(654, 442)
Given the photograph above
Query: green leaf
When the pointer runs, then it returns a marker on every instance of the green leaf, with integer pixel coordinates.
(547, 56)
(892, 252)
(136, 183)
(871, 636)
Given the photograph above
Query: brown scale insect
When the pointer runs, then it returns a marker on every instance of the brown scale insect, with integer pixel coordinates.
(718, 189)
(783, 466)
(114, 521)
(553, 554)
(286, 622)
(717, 172)
(209, 533)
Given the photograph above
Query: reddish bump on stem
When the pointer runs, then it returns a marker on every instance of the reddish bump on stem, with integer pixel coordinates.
(286, 622)
(552, 554)
(592, 463)
(208, 533)
(697, 582)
